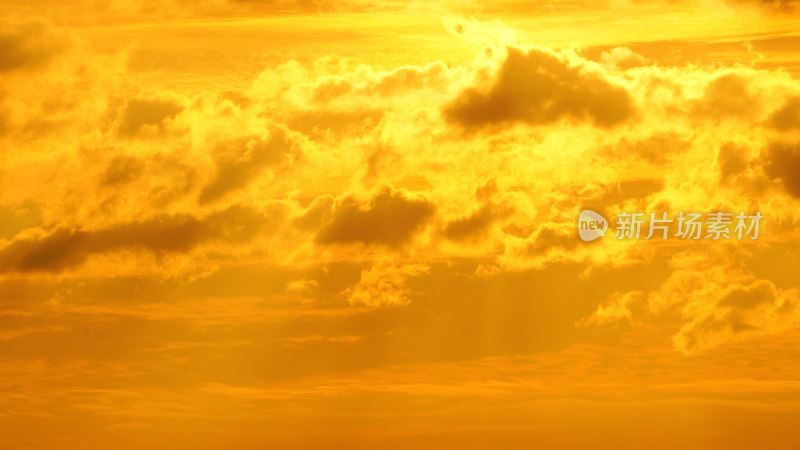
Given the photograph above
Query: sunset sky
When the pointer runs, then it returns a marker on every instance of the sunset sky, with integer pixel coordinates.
(246, 224)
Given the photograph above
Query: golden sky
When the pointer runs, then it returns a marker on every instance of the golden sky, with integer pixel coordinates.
(246, 224)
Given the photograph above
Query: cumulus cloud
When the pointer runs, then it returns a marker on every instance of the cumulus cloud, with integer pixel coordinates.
(383, 284)
(65, 248)
(622, 58)
(390, 218)
(620, 307)
(474, 224)
(727, 96)
(364, 233)
(240, 160)
(739, 311)
(714, 301)
(145, 115)
(365, 88)
(549, 243)
(324, 138)
(540, 87)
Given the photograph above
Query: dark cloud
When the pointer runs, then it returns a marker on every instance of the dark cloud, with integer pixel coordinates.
(471, 225)
(239, 161)
(136, 114)
(540, 88)
(122, 170)
(749, 297)
(389, 219)
(28, 46)
(475, 225)
(783, 162)
(65, 248)
(726, 96)
(787, 117)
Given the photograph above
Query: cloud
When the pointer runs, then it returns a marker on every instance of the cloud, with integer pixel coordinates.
(708, 300)
(390, 218)
(122, 170)
(108, 181)
(240, 160)
(783, 163)
(787, 117)
(169, 152)
(479, 222)
(551, 237)
(146, 115)
(658, 148)
(51, 80)
(17, 217)
(66, 248)
(474, 224)
(301, 286)
(549, 243)
(368, 88)
(540, 87)
(622, 58)
(28, 46)
(727, 96)
(737, 312)
(383, 284)
(731, 160)
(618, 308)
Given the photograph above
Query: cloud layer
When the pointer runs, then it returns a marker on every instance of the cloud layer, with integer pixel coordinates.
(291, 223)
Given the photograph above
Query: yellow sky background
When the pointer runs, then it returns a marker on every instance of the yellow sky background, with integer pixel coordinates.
(244, 224)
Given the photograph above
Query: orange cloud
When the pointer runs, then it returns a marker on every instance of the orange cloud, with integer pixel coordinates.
(541, 87)
(390, 218)
(235, 224)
